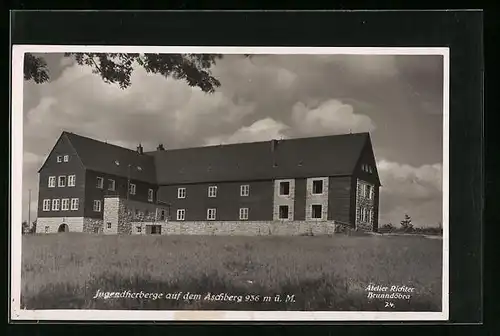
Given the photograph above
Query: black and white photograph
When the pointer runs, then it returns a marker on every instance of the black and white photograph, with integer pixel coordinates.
(228, 183)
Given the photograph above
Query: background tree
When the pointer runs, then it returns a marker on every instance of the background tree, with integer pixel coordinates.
(33, 227)
(117, 68)
(406, 224)
(24, 227)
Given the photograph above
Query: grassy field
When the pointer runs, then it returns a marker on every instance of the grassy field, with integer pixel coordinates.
(65, 271)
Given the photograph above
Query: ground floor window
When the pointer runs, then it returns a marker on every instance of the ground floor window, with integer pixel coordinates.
(181, 214)
(283, 212)
(243, 213)
(46, 229)
(139, 229)
(108, 225)
(211, 214)
(316, 211)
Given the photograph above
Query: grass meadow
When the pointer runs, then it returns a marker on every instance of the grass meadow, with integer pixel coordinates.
(64, 271)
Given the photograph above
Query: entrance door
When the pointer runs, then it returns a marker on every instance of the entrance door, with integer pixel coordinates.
(63, 228)
(156, 229)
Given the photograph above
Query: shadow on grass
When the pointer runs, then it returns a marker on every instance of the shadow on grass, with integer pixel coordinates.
(326, 293)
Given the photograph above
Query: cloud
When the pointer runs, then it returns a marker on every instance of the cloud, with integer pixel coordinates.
(261, 130)
(416, 191)
(331, 117)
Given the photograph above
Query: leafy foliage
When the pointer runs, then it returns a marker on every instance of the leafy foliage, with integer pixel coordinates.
(117, 68)
(24, 227)
(406, 224)
(35, 68)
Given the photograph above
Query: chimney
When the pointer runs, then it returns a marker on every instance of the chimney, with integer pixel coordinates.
(140, 150)
(274, 143)
(160, 147)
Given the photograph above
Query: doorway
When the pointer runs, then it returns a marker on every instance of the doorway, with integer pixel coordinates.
(155, 229)
(63, 228)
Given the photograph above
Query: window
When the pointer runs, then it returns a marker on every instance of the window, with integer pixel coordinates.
(283, 212)
(108, 224)
(243, 213)
(65, 204)
(181, 214)
(59, 158)
(363, 214)
(61, 181)
(139, 229)
(132, 189)
(316, 211)
(245, 190)
(66, 158)
(111, 185)
(100, 183)
(52, 181)
(71, 180)
(162, 215)
(46, 229)
(211, 214)
(74, 203)
(55, 204)
(117, 162)
(97, 205)
(46, 205)
(318, 187)
(370, 169)
(284, 188)
(212, 191)
(369, 191)
(371, 216)
(150, 195)
(181, 193)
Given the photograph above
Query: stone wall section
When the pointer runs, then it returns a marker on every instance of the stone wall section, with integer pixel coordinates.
(110, 215)
(320, 199)
(365, 201)
(92, 225)
(75, 224)
(119, 214)
(245, 228)
(279, 200)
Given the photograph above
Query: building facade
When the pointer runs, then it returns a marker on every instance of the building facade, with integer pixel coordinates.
(92, 186)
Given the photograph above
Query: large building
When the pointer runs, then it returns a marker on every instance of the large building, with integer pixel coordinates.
(91, 186)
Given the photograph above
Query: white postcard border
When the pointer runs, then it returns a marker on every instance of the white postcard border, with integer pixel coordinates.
(190, 315)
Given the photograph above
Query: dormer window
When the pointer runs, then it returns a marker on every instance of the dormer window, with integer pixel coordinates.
(139, 168)
(117, 162)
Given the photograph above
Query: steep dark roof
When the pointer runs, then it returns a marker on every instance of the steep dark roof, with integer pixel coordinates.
(102, 157)
(304, 157)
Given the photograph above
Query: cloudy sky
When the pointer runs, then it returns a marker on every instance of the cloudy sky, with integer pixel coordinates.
(398, 99)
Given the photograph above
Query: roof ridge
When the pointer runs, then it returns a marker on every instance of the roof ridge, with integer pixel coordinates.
(100, 141)
(260, 141)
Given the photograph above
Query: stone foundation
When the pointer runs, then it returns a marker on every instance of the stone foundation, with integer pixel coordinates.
(52, 224)
(245, 228)
(91, 225)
